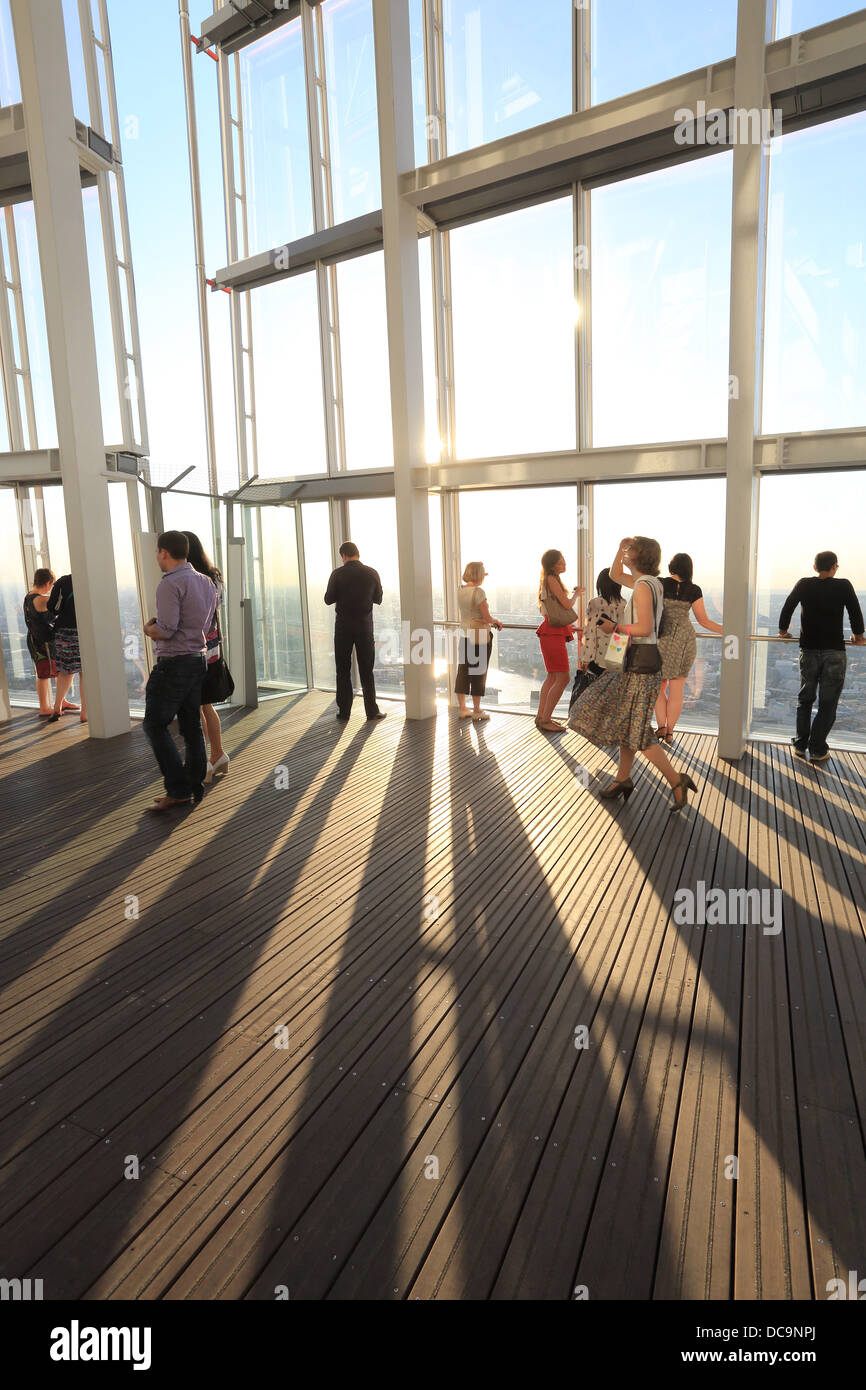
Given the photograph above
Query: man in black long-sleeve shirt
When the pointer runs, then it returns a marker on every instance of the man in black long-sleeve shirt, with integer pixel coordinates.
(354, 588)
(823, 660)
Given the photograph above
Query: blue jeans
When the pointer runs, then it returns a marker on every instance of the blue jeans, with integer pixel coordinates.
(822, 673)
(174, 688)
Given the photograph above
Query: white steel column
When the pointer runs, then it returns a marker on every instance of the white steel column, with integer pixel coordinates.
(56, 180)
(403, 302)
(198, 245)
(747, 273)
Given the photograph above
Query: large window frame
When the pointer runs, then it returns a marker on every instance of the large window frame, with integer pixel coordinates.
(447, 476)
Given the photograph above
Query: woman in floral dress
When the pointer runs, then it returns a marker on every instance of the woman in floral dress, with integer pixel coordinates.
(617, 709)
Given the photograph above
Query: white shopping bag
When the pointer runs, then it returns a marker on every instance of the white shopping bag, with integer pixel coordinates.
(617, 647)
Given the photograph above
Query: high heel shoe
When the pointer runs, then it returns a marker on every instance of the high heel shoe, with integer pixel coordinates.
(686, 785)
(664, 735)
(217, 769)
(623, 789)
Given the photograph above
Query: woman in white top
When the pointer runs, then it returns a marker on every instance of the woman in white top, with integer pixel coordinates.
(608, 605)
(476, 642)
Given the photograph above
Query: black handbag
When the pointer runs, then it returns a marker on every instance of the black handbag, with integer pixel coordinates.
(582, 681)
(643, 660)
(217, 686)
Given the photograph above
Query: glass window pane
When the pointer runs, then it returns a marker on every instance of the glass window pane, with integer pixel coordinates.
(508, 531)
(274, 104)
(636, 45)
(280, 634)
(112, 429)
(127, 594)
(660, 282)
(54, 528)
(102, 79)
(317, 560)
(75, 51)
(34, 318)
(432, 440)
(799, 515)
(507, 67)
(419, 90)
(364, 350)
(667, 511)
(514, 322)
(290, 415)
(10, 86)
(793, 16)
(373, 528)
(219, 320)
(188, 511)
(20, 672)
(436, 571)
(350, 73)
(815, 316)
(4, 426)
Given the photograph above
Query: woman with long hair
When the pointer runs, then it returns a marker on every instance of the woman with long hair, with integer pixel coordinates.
(617, 708)
(218, 758)
(677, 640)
(556, 604)
(476, 642)
(60, 608)
(610, 604)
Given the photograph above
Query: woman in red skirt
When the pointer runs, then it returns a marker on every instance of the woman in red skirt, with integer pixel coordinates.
(553, 639)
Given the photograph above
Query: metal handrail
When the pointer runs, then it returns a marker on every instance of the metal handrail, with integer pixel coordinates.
(712, 636)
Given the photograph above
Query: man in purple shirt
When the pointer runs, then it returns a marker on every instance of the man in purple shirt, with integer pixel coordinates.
(185, 606)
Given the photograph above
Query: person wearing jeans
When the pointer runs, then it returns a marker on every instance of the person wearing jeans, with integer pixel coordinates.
(185, 605)
(823, 660)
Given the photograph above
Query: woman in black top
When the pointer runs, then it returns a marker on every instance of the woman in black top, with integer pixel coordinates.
(67, 657)
(677, 640)
(39, 638)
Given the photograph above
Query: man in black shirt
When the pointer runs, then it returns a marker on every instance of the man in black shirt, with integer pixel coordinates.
(822, 650)
(354, 588)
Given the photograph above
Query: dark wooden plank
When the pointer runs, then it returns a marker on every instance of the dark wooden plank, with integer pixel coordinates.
(419, 1030)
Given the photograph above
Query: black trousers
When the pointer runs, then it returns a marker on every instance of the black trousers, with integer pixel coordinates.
(473, 664)
(361, 639)
(174, 688)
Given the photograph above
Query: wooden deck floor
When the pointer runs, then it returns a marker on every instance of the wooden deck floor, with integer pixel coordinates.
(428, 913)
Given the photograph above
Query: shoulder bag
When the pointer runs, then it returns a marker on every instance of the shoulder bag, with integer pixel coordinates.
(217, 685)
(644, 658)
(556, 613)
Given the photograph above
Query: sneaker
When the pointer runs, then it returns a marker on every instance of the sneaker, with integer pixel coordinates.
(819, 757)
(371, 718)
(798, 752)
